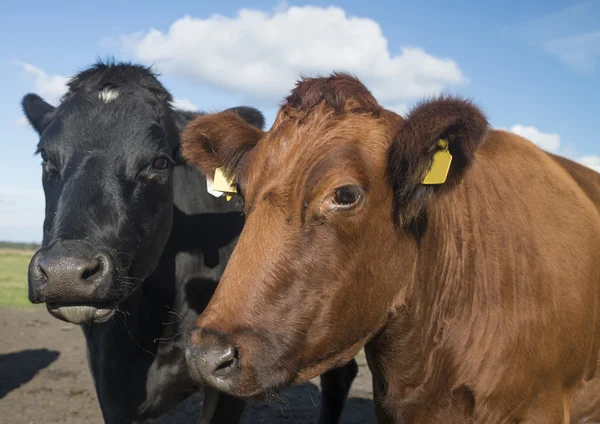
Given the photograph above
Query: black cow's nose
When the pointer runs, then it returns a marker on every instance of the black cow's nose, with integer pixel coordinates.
(214, 361)
(71, 270)
(61, 277)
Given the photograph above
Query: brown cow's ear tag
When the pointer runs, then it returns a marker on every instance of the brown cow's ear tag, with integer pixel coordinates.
(223, 184)
(440, 165)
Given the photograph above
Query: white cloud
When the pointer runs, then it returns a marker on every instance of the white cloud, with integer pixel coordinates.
(49, 87)
(591, 161)
(551, 143)
(546, 141)
(263, 54)
(572, 35)
(184, 104)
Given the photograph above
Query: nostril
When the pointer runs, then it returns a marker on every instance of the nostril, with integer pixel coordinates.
(225, 364)
(213, 359)
(42, 276)
(228, 359)
(91, 270)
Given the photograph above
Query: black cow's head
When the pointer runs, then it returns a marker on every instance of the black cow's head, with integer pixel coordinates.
(108, 153)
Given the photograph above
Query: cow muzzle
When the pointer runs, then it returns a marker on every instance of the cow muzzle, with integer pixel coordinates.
(74, 281)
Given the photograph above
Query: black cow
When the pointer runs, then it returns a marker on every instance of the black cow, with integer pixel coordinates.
(133, 243)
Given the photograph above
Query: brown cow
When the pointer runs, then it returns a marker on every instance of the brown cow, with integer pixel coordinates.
(475, 295)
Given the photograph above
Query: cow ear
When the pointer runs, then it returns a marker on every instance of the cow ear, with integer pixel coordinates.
(431, 151)
(218, 140)
(38, 112)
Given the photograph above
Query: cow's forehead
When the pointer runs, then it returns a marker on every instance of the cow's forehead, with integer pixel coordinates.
(319, 137)
(120, 124)
(319, 150)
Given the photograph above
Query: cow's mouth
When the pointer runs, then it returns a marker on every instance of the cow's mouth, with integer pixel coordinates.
(81, 313)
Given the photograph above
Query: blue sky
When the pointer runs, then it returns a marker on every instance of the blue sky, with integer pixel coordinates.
(533, 68)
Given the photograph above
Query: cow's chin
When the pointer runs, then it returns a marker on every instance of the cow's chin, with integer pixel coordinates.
(81, 313)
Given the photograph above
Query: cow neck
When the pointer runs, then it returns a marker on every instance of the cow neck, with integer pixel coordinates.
(406, 357)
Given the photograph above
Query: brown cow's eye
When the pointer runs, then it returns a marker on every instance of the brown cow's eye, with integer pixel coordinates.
(160, 163)
(345, 196)
(238, 190)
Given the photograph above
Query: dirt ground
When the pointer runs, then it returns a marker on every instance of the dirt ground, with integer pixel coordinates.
(44, 378)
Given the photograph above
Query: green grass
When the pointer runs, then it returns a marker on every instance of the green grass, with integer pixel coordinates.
(18, 245)
(13, 277)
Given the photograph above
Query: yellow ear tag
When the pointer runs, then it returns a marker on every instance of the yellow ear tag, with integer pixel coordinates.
(223, 184)
(440, 165)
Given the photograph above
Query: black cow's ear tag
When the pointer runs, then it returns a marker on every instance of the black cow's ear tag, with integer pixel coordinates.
(440, 165)
(221, 184)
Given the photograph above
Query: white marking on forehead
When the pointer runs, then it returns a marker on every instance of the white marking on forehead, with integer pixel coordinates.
(108, 95)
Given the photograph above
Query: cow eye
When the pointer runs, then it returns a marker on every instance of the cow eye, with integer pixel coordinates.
(238, 190)
(345, 196)
(49, 168)
(160, 163)
(47, 164)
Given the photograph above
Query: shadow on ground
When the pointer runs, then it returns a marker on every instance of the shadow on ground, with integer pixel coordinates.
(298, 404)
(18, 368)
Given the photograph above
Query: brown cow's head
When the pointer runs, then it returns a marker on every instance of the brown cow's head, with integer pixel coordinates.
(333, 196)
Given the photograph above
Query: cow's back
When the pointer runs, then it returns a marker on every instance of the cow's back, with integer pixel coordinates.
(587, 179)
(537, 218)
(586, 401)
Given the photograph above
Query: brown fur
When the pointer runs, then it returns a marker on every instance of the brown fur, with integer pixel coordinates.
(198, 140)
(341, 92)
(455, 120)
(489, 316)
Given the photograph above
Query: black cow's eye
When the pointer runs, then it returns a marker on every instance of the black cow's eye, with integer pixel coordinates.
(160, 163)
(47, 164)
(345, 196)
(49, 168)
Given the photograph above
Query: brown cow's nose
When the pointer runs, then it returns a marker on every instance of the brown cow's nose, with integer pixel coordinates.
(68, 278)
(213, 360)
